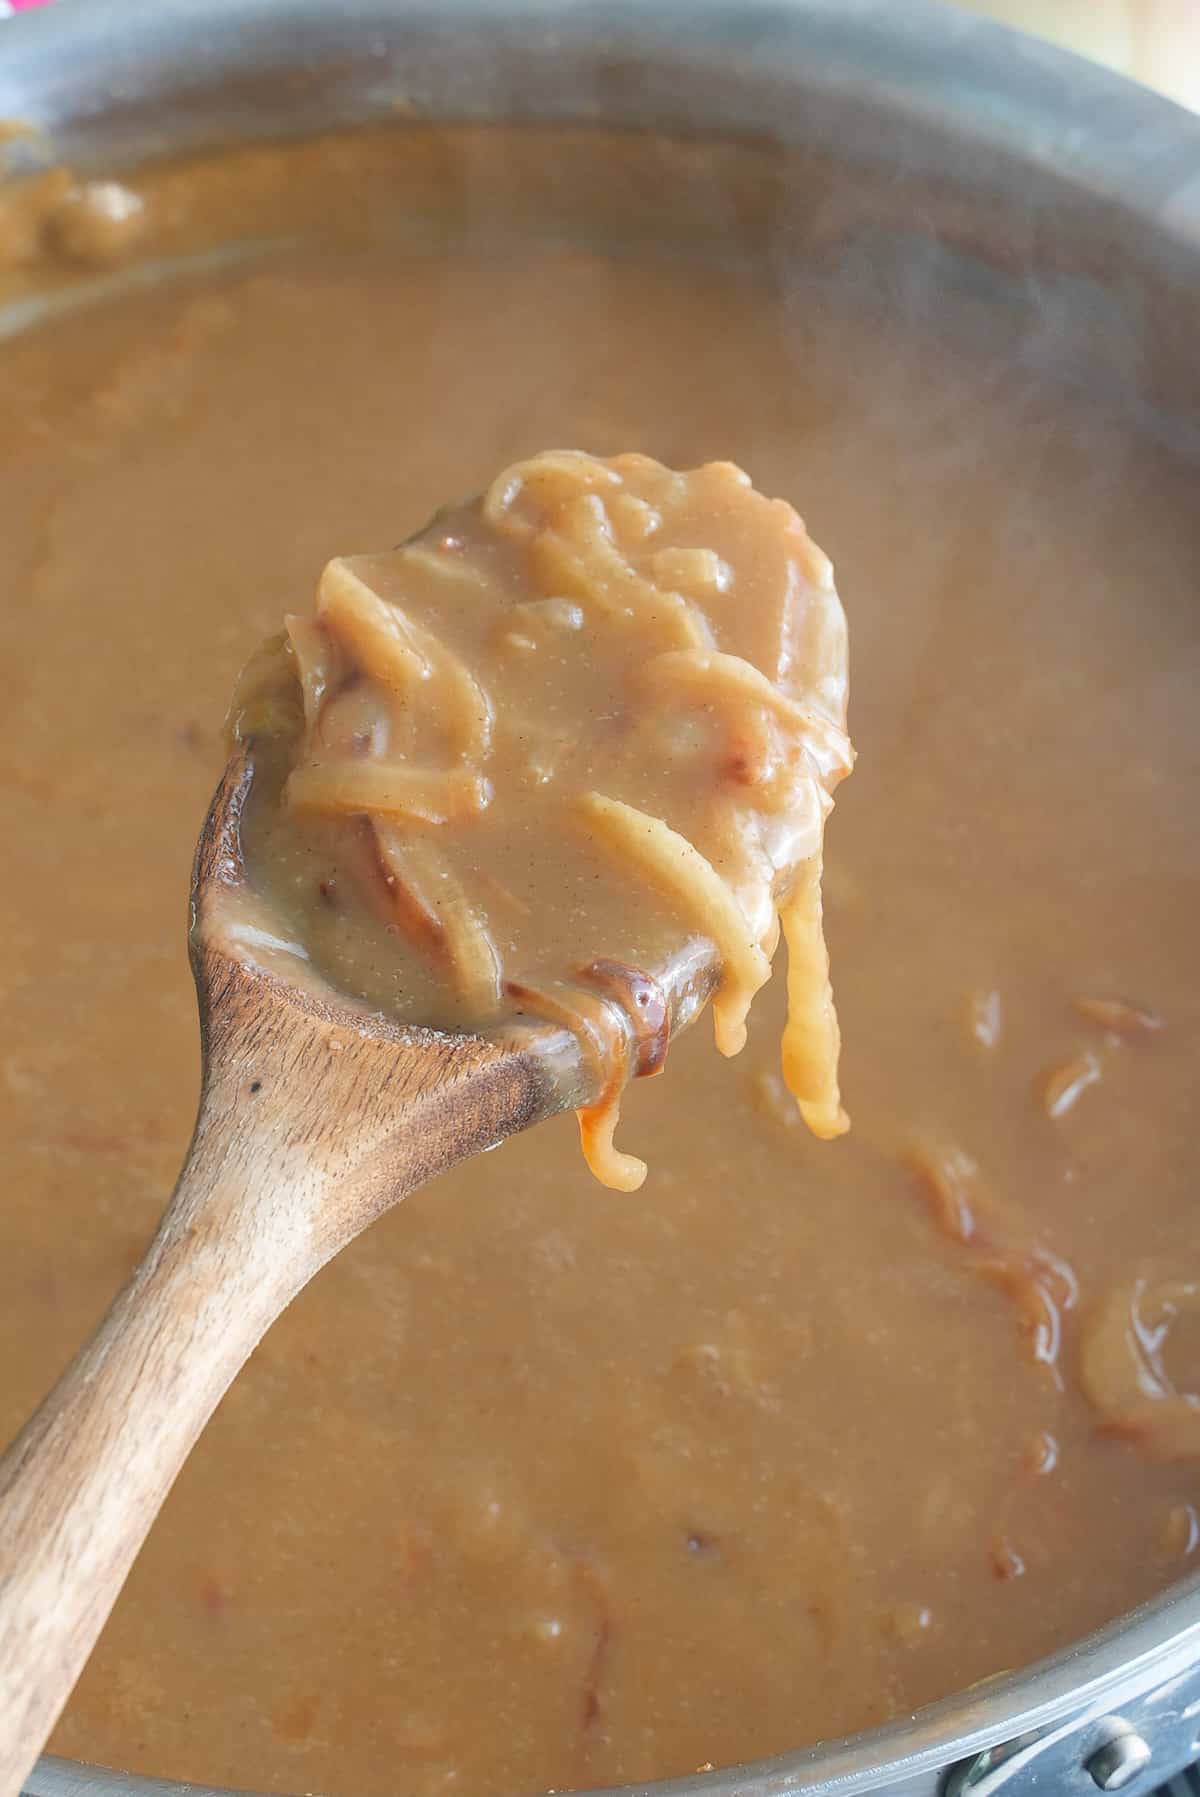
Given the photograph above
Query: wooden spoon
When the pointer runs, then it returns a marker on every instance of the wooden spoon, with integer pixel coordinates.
(314, 1118)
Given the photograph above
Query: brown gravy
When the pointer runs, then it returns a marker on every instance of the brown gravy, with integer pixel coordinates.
(582, 725)
(539, 1485)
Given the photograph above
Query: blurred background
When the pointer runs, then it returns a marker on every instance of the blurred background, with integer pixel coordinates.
(1155, 41)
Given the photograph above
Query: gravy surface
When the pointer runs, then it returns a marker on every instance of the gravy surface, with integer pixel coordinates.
(539, 1485)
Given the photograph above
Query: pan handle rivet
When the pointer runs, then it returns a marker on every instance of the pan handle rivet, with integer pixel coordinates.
(1119, 1761)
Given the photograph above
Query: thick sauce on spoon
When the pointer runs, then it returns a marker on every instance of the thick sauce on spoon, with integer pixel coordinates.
(509, 768)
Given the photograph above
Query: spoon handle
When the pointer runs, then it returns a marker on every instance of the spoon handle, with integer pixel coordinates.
(308, 1129)
(82, 1483)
